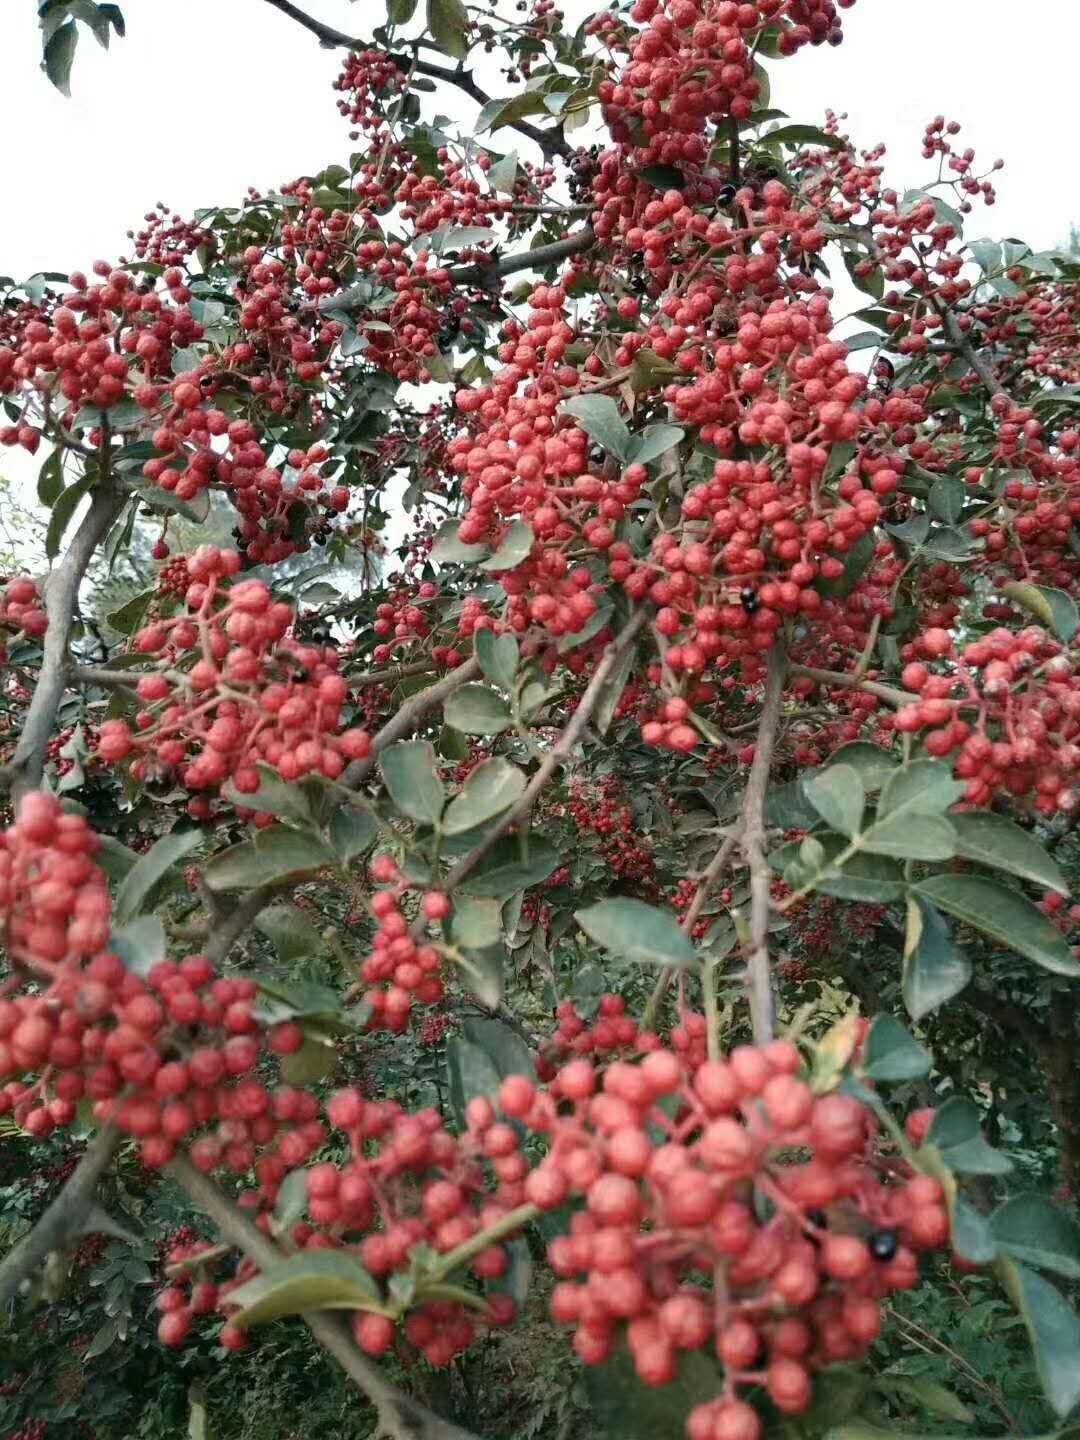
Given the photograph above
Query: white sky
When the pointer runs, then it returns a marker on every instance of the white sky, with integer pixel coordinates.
(205, 97)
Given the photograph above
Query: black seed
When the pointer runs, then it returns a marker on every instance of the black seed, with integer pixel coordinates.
(749, 601)
(883, 1244)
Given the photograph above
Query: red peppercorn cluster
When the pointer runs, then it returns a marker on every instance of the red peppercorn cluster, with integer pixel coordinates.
(21, 607)
(253, 697)
(416, 1189)
(1007, 706)
(613, 1033)
(399, 970)
(794, 1290)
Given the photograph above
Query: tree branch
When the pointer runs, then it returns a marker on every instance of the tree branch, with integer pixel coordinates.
(399, 1415)
(404, 722)
(555, 756)
(63, 1219)
(482, 271)
(61, 594)
(962, 345)
(753, 844)
(889, 693)
(551, 142)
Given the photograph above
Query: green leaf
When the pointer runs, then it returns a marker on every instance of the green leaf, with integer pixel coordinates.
(400, 12)
(786, 806)
(476, 924)
(612, 691)
(1009, 917)
(150, 868)
(957, 1137)
(934, 969)
(1054, 608)
(799, 135)
(311, 1063)
(470, 1072)
(448, 22)
(837, 794)
(1032, 1229)
(515, 546)
(489, 790)
(449, 550)
(1054, 1328)
(506, 869)
(274, 854)
(477, 710)
(993, 840)
(924, 787)
(655, 441)
(273, 797)
(127, 618)
(63, 511)
(411, 772)
(892, 1054)
(115, 858)
(312, 1280)
(946, 498)
(351, 832)
(873, 764)
(929, 1394)
(503, 1046)
(503, 174)
(291, 1202)
(291, 934)
(637, 932)
(140, 943)
(598, 416)
(876, 879)
(50, 480)
(971, 1237)
(484, 972)
(59, 53)
(911, 837)
(498, 657)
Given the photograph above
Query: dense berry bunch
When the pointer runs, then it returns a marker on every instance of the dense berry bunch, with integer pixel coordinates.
(1007, 707)
(795, 1286)
(252, 697)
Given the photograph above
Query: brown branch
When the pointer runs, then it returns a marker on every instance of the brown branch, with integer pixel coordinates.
(64, 1218)
(759, 978)
(406, 719)
(551, 142)
(61, 595)
(963, 346)
(888, 693)
(555, 756)
(483, 271)
(399, 1414)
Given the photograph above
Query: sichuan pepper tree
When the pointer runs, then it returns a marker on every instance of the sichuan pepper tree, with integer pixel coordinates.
(701, 622)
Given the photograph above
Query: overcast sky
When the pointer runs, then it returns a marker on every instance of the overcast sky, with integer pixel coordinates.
(206, 97)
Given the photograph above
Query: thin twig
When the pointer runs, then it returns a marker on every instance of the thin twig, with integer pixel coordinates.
(551, 142)
(404, 722)
(888, 693)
